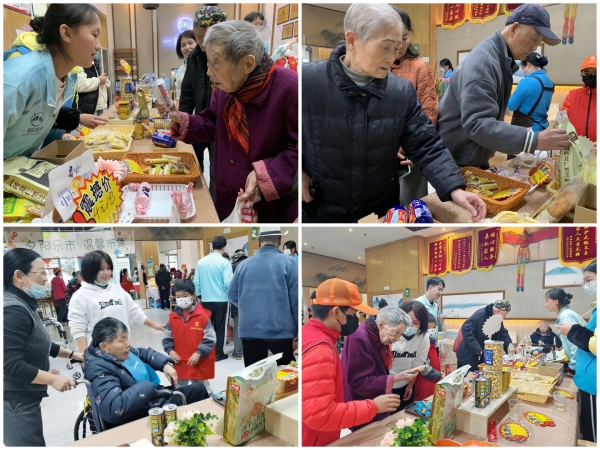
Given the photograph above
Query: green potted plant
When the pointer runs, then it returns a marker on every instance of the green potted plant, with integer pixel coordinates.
(407, 433)
(190, 430)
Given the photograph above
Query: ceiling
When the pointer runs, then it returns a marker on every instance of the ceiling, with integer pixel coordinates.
(340, 242)
(343, 7)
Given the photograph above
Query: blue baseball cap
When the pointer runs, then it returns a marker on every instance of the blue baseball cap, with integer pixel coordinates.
(536, 16)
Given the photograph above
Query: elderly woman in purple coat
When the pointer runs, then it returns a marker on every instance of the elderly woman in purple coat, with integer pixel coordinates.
(253, 121)
(367, 357)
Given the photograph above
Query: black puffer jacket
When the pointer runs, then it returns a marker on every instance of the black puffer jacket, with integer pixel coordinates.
(473, 337)
(351, 136)
(195, 87)
(119, 398)
(88, 100)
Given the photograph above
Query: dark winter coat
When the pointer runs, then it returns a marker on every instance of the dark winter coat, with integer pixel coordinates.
(473, 338)
(351, 136)
(195, 87)
(551, 338)
(163, 278)
(118, 397)
(88, 100)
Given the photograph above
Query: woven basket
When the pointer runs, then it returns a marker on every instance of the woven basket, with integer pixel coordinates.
(140, 158)
(534, 398)
(497, 206)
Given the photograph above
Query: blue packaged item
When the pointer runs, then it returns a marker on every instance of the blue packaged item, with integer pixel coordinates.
(163, 140)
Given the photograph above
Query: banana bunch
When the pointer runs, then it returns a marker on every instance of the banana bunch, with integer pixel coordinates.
(167, 165)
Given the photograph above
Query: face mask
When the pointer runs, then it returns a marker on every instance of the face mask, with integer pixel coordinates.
(590, 288)
(443, 70)
(589, 81)
(288, 53)
(350, 326)
(97, 57)
(432, 332)
(184, 302)
(36, 291)
(97, 283)
(410, 332)
(288, 252)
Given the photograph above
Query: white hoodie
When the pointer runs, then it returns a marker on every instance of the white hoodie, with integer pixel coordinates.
(92, 303)
(407, 354)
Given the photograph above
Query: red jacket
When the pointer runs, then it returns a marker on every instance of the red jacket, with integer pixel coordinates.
(324, 413)
(186, 337)
(58, 289)
(424, 388)
(580, 105)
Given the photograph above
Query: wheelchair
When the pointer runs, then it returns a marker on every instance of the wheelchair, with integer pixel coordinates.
(89, 421)
(62, 335)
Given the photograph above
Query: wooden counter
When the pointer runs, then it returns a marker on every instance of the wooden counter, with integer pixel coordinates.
(565, 434)
(140, 429)
(205, 208)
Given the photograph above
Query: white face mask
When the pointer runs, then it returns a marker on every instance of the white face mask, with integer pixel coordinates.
(590, 288)
(432, 332)
(184, 302)
(288, 252)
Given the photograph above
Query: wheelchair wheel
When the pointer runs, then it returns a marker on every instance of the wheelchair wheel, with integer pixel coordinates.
(84, 425)
(78, 424)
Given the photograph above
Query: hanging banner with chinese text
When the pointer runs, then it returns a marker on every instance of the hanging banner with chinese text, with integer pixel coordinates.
(438, 258)
(454, 15)
(489, 242)
(483, 12)
(509, 8)
(577, 245)
(71, 244)
(461, 254)
(23, 8)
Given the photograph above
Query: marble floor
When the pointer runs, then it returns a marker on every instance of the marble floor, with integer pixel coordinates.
(60, 410)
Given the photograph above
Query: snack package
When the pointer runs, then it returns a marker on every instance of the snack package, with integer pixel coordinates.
(447, 397)
(242, 213)
(142, 197)
(161, 93)
(287, 379)
(15, 208)
(248, 392)
(565, 199)
(249, 215)
(27, 178)
(570, 162)
(183, 200)
(163, 140)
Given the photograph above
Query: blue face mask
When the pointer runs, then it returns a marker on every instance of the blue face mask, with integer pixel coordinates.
(36, 291)
(410, 332)
(97, 283)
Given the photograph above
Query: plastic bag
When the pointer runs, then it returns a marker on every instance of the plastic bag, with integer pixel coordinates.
(571, 160)
(563, 202)
(242, 213)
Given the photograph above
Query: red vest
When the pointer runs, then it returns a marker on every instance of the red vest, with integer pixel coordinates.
(292, 62)
(424, 388)
(187, 336)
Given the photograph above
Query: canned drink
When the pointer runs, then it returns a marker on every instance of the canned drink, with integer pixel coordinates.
(418, 212)
(157, 426)
(170, 410)
(397, 214)
(481, 392)
(160, 89)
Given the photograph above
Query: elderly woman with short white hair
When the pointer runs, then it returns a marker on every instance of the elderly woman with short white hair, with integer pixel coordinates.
(367, 357)
(253, 121)
(355, 117)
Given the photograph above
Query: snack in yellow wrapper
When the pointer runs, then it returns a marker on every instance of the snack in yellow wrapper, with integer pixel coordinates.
(506, 193)
(125, 66)
(540, 174)
(132, 166)
(15, 207)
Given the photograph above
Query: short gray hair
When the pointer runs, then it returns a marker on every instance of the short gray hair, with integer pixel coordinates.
(269, 240)
(238, 39)
(369, 19)
(393, 316)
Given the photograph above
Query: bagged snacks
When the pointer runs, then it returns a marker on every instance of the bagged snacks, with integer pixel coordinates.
(248, 392)
(447, 397)
(27, 178)
(564, 200)
(571, 160)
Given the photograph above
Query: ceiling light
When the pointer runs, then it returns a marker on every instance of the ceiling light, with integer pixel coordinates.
(359, 257)
(305, 243)
(349, 229)
(443, 229)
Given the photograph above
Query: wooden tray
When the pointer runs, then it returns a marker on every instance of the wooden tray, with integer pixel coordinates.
(139, 158)
(497, 206)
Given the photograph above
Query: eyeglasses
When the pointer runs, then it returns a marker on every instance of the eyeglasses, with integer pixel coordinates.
(43, 273)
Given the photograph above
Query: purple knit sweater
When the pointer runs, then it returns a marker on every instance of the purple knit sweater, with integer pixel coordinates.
(365, 373)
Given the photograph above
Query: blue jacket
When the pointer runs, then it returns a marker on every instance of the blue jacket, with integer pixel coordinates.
(212, 278)
(265, 289)
(586, 368)
(118, 397)
(566, 316)
(29, 102)
(526, 94)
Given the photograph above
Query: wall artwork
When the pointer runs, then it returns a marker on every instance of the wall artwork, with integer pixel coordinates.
(557, 275)
(391, 299)
(462, 306)
(322, 27)
(316, 269)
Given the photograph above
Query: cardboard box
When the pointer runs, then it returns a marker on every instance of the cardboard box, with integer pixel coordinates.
(585, 210)
(551, 370)
(59, 152)
(281, 419)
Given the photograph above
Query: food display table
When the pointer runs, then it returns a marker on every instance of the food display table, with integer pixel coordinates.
(140, 429)
(205, 208)
(564, 434)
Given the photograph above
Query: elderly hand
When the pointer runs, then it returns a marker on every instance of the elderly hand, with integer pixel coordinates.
(405, 375)
(387, 403)
(171, 374)
(252, 192)
(193, 359)
(553, 139)
(471, 202)
(62, 383)
(91, 121)
(408, 392)
(404, 161)
(564, 328)
(306, 184)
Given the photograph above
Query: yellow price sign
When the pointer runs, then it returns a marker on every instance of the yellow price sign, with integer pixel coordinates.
(541, 175)
(100, 199)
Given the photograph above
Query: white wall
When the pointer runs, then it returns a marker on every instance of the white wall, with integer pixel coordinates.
(188, 254)
(564, 60)
(525, 305)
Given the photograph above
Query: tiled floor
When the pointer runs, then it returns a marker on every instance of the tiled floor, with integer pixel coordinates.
(60, 410)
